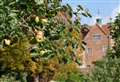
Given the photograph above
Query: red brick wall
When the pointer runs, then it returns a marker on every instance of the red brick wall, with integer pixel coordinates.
(96, 46)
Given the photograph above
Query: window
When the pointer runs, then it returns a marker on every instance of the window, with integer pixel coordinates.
(96, 37)
(104, 49)
(89, 51)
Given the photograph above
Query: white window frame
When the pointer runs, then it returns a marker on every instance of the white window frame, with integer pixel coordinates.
(97, 37)
(89, 51)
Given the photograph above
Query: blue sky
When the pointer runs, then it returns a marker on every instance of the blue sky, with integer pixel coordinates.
(107, 9)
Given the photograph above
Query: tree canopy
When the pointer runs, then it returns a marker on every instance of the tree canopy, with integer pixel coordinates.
(39, 40)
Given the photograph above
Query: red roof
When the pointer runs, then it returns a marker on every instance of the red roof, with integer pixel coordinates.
(104, 28)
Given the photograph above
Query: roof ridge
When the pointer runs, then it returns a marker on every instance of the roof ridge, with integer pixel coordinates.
(101, 29)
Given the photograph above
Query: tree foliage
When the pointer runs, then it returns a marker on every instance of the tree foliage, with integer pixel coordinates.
(116, 37)
(39, 39)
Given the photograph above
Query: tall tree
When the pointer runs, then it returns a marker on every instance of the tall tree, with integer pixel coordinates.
(39, 40)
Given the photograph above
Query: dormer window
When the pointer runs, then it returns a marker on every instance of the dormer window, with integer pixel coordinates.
(96, 37)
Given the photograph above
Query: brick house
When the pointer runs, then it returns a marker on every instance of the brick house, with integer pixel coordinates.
(97, 40)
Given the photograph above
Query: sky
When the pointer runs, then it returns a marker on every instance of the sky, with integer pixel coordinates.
(107, 9)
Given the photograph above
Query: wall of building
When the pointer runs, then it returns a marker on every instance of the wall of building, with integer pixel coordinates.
(96, 45)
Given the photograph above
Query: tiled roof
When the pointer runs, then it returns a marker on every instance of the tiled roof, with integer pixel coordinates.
(104, 28)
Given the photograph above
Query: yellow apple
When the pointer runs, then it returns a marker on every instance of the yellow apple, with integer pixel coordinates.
(39, 36)
(45, 20)
(37, 19)
(7, 41)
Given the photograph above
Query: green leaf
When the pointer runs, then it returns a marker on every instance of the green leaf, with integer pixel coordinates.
(84, 14)
(39, 2)
(81, 8)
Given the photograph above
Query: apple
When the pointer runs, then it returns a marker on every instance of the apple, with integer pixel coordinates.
(39, 36)
(7, 41)
(45, 20)
(37, 19)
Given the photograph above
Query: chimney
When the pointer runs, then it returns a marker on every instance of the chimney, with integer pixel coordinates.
(98, 21)
(98, 18)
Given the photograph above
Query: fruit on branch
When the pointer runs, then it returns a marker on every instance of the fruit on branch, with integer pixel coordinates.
(7, 41)
(37, 19)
